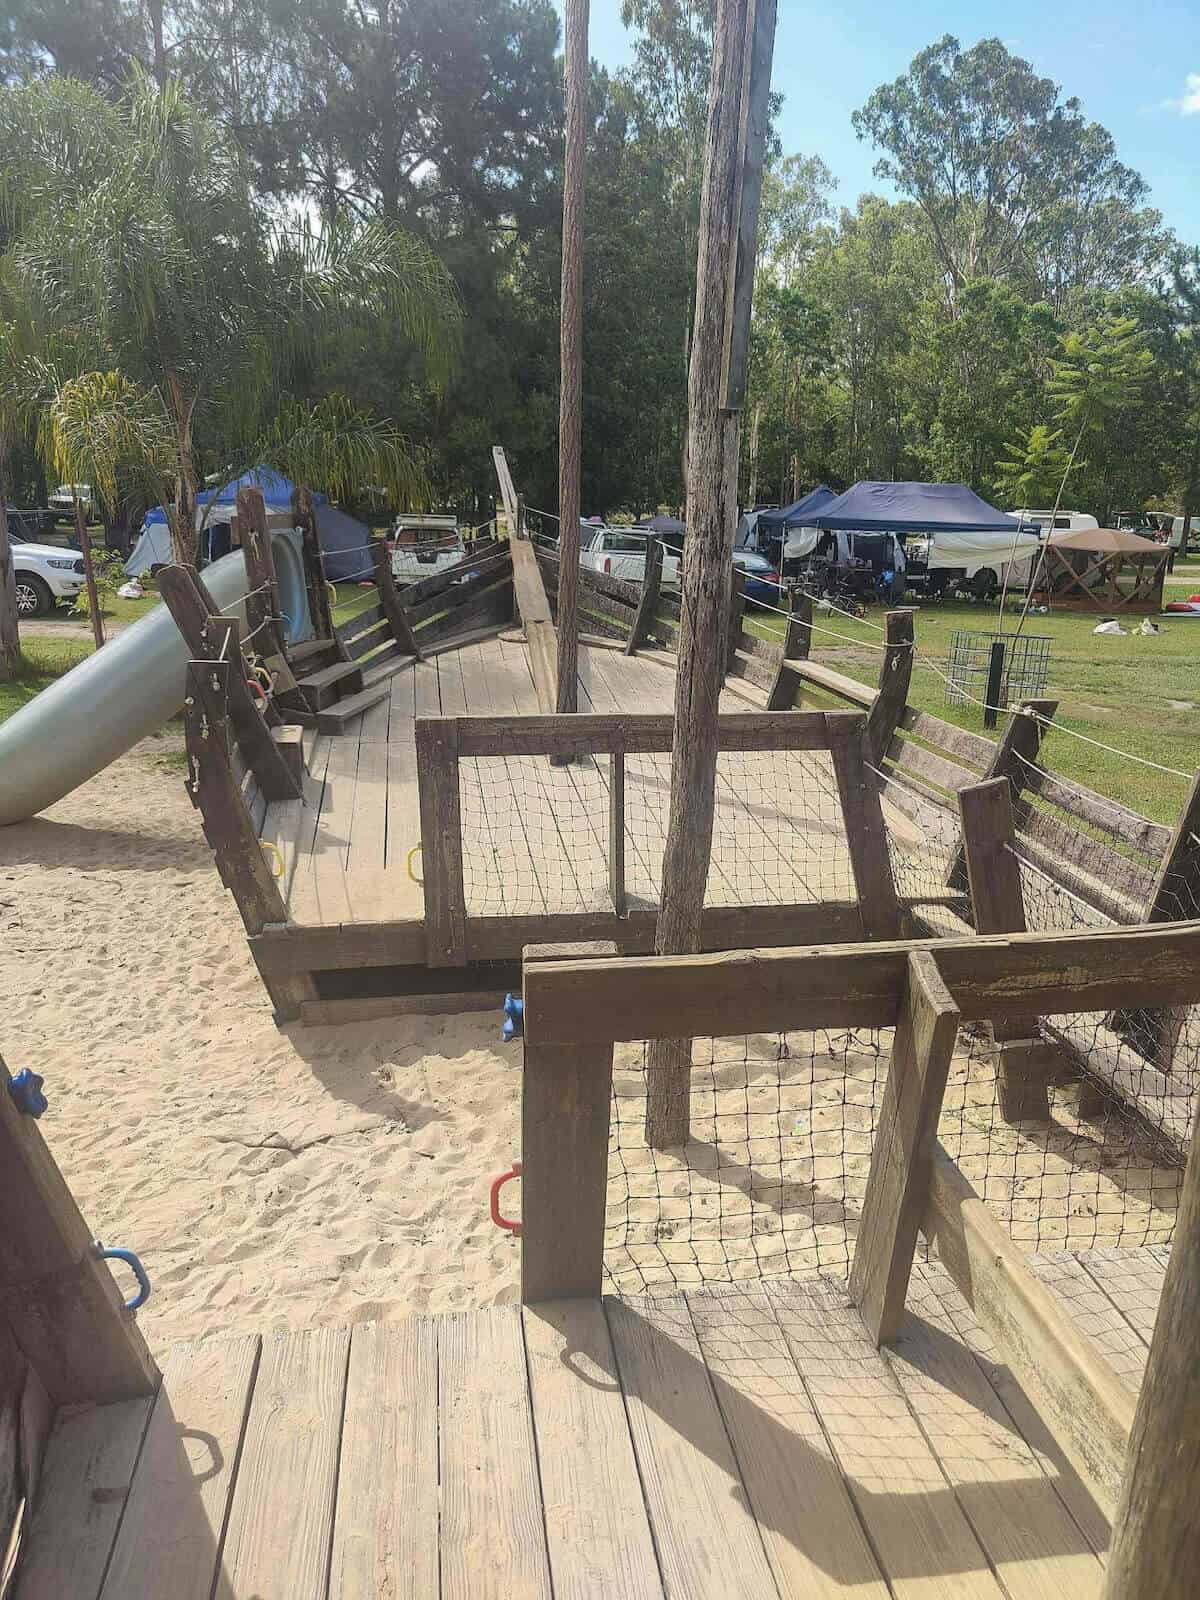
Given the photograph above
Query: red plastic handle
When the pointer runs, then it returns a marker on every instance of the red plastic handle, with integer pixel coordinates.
(497, 1184)
(256, 688)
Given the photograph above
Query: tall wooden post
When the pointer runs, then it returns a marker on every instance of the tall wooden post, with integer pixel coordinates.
(739, 90)
(89, 574)
(10, 636)
(1156, 1533)
(570, 400)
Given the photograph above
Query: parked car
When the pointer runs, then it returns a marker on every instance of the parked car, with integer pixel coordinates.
(423, 545)
(45, 574)
(761, 575)
(621, 553)
(62, 501)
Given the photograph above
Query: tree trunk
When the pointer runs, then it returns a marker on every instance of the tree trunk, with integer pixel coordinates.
(89, 575)
(10, 637)
(155, 8)
(756, 420)
(570, 422)
(713, 441)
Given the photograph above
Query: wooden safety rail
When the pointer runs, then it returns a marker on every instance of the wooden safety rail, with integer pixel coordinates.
(580, 1002)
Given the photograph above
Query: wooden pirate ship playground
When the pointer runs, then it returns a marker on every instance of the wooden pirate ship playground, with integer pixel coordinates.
(907, 1305)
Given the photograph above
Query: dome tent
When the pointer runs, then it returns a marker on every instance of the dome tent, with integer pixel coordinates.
(342, 538)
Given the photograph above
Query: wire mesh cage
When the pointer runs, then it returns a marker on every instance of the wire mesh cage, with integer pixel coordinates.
(1024, 668)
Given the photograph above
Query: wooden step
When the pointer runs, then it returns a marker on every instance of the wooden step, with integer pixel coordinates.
(311, 650)
(384, 667)
(289, 736)
(333, 719)
(328, 684)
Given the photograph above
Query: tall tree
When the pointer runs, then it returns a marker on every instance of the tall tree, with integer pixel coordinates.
(1008, 175)
(124, 260)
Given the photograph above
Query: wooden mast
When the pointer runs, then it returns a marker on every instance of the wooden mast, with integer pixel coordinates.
(570, 425)
(739, 88)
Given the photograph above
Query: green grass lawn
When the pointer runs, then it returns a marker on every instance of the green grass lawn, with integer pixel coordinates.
(1141, 695)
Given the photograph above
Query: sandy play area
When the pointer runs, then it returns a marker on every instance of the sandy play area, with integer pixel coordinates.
(272, 1179)
(266, 1179)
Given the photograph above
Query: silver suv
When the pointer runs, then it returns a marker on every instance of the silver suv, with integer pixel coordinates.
(46, 574)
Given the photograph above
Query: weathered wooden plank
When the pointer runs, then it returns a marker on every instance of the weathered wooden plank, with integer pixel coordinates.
(436, 743)
(174, 1521)
(597, 1531)
(86, 1477)
(385, 1532)
(616, 832)
(917, 1529)
(1030, 1538)
(866, 836)
(812, 1535)
(389, 600)
(647, 599)
(1156, 1533)
(58, 1300)
(836, 683)
(706, 1537)
(1083, 1402)
(914, 761)
(565, 1103)
(898, 1183)
(972, 749)
(640, 733)
(493, 1540)
(361, 622)
(895, 675)
(413, 594)
(534, 609)
(848, 985)
(281, 1520)
(1151, 838)
(998, 905)
(1132, 1280)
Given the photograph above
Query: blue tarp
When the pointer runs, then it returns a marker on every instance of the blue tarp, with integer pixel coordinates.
(913, 508)
(276, 491)
(800, 514)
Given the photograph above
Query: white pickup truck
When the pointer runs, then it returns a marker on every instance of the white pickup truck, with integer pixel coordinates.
(621, 553)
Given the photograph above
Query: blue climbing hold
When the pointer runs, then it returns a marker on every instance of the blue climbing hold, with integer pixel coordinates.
(26, 1091)
(514, 1018)
(117, 1253)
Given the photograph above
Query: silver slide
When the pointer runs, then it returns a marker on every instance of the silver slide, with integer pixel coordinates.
(102, 707)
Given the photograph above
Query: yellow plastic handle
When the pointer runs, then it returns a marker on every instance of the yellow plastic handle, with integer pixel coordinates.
(276, 855)
(415, 851)
(333, 600)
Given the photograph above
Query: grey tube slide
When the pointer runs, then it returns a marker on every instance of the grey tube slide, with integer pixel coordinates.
(102, 707)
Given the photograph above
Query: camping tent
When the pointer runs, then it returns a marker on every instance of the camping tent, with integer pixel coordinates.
(342, 539)
(913, 508)
(1102, 569)
(792, 525)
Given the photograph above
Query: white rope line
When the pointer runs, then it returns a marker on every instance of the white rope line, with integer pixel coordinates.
(1128, 755)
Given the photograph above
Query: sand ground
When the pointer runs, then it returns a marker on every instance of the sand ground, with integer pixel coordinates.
(279, 1179)
(266, 1178)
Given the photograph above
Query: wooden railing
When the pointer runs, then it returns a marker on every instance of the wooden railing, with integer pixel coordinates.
(579, 1004)
(453, 938)
(434, 614)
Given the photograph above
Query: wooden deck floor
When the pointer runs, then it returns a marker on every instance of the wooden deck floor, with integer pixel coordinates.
(535, 836)
(749, 1442)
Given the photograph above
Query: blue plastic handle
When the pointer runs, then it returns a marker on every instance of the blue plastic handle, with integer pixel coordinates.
(25, 1088)
(135, 1266)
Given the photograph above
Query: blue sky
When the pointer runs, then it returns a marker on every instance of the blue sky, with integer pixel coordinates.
(1135, 67)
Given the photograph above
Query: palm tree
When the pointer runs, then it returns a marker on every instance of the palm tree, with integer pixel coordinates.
(156, 262)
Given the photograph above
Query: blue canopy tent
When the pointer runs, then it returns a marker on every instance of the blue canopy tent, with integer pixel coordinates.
(913, 508)
(799, 514)
(341, 537)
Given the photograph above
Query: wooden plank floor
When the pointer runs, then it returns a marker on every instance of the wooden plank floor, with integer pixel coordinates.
(535, 836)
(742, 1440)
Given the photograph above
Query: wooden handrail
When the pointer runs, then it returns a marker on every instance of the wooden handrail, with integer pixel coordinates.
(638, 733)
(773, 990)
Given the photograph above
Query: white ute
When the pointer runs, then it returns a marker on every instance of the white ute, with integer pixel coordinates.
(45, 574)
(621, 553)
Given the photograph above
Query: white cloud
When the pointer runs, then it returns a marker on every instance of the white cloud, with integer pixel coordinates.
(1188, 103)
